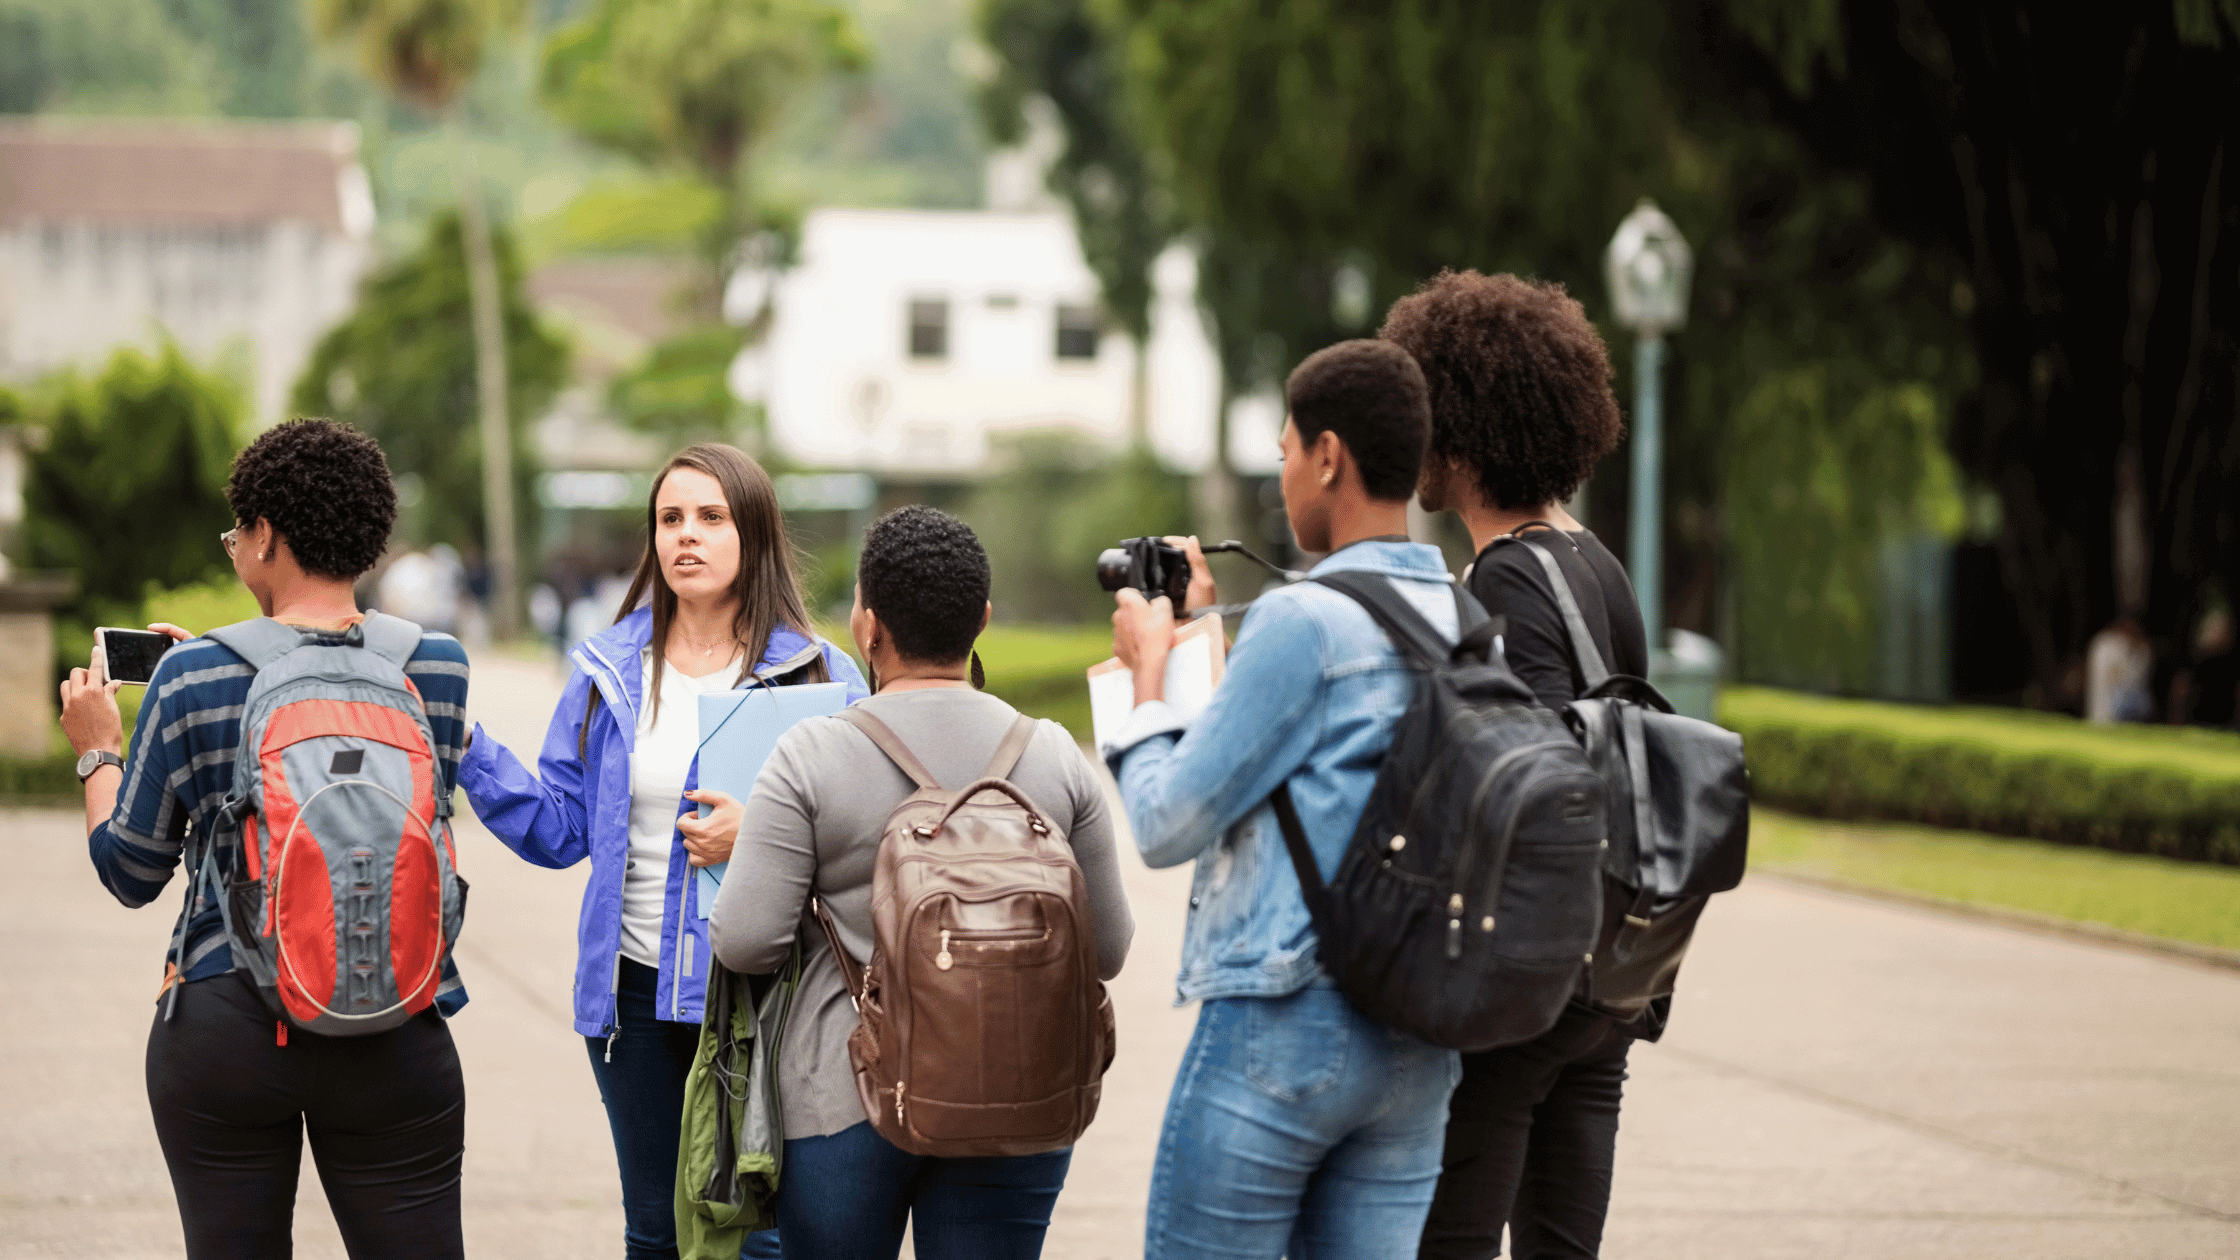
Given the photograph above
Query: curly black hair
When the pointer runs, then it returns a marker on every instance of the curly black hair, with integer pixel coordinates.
(325, 487)
(1520, 382)
(1373, 396)
(925, 574)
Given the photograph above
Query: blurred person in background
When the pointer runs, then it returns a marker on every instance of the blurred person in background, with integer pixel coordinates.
(2119, 673)
(423, 587)
(599, 597)
(1521, 412)
(233, 1102)
(715, 605)
(1297, 1125)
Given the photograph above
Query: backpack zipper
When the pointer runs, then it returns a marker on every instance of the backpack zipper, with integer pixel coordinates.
(1470, 852)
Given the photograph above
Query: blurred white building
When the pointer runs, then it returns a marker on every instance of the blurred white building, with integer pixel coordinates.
(904, 340)
(219, 234)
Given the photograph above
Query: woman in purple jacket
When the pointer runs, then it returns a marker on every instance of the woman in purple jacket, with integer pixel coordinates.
(616, 782)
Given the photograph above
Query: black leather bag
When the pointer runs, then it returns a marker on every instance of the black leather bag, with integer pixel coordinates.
(1464, 907)
(1679, 811)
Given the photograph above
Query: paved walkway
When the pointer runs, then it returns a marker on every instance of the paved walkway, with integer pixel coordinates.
(1843, 1079)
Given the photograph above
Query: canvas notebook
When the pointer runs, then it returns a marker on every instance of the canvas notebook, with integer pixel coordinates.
(738, 730)
(1194, 668)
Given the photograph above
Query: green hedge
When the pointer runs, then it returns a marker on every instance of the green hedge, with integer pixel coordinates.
(2140, 789)
(39, 780)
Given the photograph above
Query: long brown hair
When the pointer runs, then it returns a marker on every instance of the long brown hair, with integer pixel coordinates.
(767, 586)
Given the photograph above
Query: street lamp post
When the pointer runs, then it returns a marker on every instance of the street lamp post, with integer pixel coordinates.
(1648, 267)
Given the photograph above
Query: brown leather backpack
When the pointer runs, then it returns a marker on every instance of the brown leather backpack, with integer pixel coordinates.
(982, 1026)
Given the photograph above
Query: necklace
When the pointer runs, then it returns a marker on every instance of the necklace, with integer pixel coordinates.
(706, 648)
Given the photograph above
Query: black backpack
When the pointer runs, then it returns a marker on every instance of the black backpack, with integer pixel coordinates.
(1679, 810)
(1465, 905)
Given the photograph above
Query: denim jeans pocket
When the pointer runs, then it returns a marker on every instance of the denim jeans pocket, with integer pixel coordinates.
(1295, 1046)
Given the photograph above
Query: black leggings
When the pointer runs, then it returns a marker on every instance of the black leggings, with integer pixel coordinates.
(1532, 1132)
(386, 1114)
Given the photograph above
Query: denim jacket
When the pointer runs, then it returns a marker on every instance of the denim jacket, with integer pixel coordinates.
(1312, 692)
(578, 806)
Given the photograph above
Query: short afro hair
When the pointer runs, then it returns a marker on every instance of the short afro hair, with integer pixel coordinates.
(1520, 383)
(925, 575)
(325, 487)
(1372, 395)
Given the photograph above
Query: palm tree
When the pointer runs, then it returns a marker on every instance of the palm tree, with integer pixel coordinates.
(424, 52)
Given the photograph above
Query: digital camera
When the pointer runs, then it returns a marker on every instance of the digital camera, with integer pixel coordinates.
(1147, 564)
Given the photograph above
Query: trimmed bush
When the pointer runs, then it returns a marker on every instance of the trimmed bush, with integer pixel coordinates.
(2174, 792)
(39, 780)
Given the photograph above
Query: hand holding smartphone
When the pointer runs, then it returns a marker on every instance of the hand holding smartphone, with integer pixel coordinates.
(130, 656)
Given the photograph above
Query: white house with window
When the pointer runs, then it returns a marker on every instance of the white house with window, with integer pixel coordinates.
(903, 340)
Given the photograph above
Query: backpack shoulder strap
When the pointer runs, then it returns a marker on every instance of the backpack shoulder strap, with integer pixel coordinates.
(855, 977)
(391, 637)
(1591, 668)
(891, 744)
(1413, 635)
(259, 641)
(1013, 747)
(1311, 888)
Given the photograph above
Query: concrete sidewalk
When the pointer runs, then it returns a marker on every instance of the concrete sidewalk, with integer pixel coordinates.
(1843, 1078)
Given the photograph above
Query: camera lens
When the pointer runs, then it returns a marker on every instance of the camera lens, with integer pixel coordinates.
(1112, 568)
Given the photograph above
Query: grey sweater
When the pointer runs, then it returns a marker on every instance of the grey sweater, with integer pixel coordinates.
(813, 825)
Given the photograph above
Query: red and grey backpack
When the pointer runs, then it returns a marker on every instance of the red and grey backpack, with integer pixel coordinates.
(344, 896)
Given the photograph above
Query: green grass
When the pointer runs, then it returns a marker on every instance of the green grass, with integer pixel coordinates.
(1040, 669)
(2183, 901)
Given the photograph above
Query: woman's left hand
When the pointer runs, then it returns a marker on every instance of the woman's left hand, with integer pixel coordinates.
(708, 841)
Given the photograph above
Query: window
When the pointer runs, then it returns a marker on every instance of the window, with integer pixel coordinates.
(929, 328)
(1078, 327)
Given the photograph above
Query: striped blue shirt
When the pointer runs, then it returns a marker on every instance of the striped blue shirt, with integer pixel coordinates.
(180, 770)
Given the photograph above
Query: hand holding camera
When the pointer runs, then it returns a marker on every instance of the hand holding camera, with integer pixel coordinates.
(1170, 566)
(1174, 567)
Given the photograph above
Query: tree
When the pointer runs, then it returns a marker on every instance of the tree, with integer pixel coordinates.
(99, 56)
(1332, 158)
(425, 51)
(397, 369)
(2078, 164)
(697, 84)
(262, 51)
(1056, 50)
(681, 389)
(128, 491)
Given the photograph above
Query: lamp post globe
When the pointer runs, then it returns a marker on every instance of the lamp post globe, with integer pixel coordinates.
(1648, 267)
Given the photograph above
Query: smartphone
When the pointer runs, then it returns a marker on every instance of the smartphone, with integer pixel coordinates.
(130, 655)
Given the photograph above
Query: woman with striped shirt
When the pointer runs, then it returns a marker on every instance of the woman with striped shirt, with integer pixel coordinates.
(386, 1112)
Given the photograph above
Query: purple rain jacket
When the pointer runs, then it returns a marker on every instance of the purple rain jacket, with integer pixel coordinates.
(579, 806)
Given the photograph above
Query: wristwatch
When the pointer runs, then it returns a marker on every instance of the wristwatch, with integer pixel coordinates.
(96, 759)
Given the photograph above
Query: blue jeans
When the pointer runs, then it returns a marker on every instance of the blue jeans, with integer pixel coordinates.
(847, 1196)
(642, 1085)
(1298, 1128)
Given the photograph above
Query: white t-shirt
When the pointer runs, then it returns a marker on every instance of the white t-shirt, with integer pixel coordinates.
(666, 744)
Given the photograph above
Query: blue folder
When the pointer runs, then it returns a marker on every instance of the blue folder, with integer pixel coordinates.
(738, 730)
